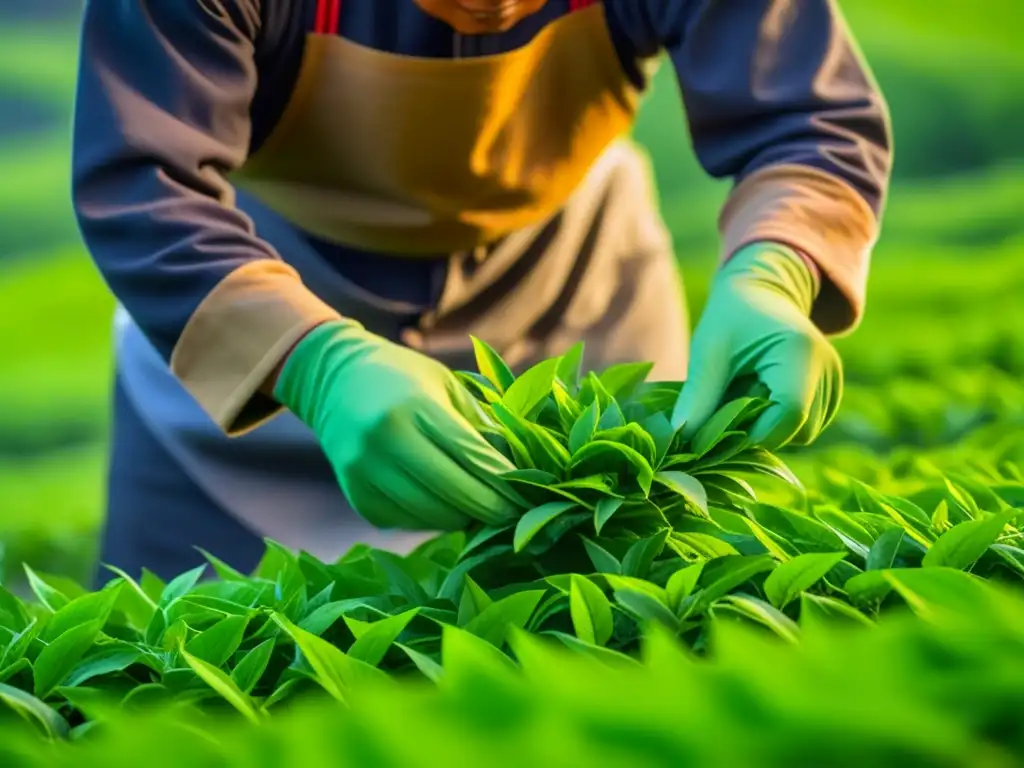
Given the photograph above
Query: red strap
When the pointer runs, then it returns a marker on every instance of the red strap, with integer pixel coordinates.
(327, 14)
(579, 5)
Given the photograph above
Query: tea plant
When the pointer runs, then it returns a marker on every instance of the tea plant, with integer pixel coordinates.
(625, 526)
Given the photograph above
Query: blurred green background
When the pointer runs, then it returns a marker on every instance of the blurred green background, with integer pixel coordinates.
(935, 372)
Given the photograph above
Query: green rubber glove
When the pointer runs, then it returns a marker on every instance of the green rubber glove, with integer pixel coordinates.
(756, 327)
(398, 429)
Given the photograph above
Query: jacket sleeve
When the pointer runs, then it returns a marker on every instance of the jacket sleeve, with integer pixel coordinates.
(779, 99)
(162, 115)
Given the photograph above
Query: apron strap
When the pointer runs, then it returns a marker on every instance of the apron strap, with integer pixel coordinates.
(579, 5)
(327, 14)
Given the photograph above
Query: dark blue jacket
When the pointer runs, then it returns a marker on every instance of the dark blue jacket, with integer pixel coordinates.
(172, 93)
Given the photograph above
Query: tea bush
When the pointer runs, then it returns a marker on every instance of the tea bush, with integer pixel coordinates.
(626, 529)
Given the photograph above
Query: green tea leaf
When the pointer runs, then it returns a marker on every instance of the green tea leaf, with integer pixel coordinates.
(532, 522)
(607, 656)
(103, 660)
(788, 580)
(646, 608)
(569, 365)
(584, 428)
(224, 686)
(218, 643)
(375, 642)
(883, 551)
(714, 428)
(760, 612)
(513, 611)
(641, 554)
(612, 418)
(180, 586)
(224, 571)
(57, 659)
(95, 606)
(33, 710)
(868, 587)
(133, 601)
(686, 486)
(633, 436)
(474, 601)
(481, 537)
(247, 673)
(621, 379)
(14, 608)
(702, 545)
(530, 389)
(681, 585)
(822, 611)
(45, 594)
(963, 544)
(19, 644)
(604, 561)
(723, 575)
(395, 568)
(606, 508)
(430, 668)
(334, 671)
(599, 457)
(490, 365)
(590, 611)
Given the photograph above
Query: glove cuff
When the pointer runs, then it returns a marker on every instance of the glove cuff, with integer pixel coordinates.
(309, 367)
(780, 266)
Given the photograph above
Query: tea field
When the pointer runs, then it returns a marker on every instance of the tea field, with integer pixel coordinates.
(884, 568)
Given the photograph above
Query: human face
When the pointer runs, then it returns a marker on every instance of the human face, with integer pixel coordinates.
(481, 17)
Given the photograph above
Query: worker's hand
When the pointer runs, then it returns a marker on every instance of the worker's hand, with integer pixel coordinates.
(397, 427)
(756, 327)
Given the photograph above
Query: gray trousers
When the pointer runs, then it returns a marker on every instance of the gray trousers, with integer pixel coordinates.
(601, 271)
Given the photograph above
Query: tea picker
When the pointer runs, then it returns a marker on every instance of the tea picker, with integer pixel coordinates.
(306, 207)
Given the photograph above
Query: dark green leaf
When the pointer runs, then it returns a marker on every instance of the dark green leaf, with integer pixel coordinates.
(883, 551)
(606, 508)
(604, 562)
(599, 457)
(584, 428)
(371, 646)
(681, 585)
(218, 643)
(250, 669)
(721, 422)
(686, 486)
(532, 522)
(641, 554)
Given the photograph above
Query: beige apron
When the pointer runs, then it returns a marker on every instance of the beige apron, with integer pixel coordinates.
(517, 165)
